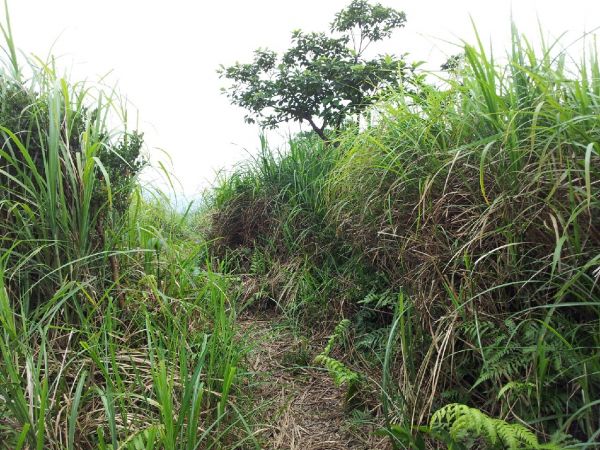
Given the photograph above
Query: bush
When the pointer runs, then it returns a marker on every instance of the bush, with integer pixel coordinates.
(67, 180)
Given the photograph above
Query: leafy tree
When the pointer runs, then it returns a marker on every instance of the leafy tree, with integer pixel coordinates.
(322, 78)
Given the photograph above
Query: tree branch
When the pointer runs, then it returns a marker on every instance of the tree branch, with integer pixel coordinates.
(316, 129)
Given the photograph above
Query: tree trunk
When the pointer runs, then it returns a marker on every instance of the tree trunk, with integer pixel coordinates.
(318, 130)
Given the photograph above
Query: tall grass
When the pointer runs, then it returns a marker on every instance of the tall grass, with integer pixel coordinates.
(156, 371)
(59, 205)
(269, 219)
(477, 198)
(117, 328)
(482, 199)
(459, 231)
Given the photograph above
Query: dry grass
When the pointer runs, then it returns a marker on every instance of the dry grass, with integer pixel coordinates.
(302, 408)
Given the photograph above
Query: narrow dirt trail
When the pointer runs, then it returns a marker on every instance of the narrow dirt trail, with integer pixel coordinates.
(301, 406)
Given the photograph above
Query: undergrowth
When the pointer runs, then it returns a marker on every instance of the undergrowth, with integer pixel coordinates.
(458, 231)
(118, 330)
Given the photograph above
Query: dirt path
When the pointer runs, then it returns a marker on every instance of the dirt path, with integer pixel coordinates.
(302, 408)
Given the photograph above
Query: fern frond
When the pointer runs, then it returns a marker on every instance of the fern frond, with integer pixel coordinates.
(340, 373)
(339, 331)
(463, 422)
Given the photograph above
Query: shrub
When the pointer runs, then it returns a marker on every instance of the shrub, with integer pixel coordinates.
(67, 180)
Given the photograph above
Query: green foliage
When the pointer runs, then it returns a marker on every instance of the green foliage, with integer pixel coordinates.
(371, 322)
(320, 79)
(341, 374)
(403, 436)
(117, 328)
(28, 114)
(269, 218)
(67, 178)
(475, 198)
(367, 23)
(461, 426)
(338, 333)
(164, 361)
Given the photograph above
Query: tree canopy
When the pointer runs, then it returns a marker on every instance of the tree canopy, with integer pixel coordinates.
(323, 78)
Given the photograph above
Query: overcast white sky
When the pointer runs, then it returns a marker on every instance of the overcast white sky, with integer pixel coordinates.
(164, 54)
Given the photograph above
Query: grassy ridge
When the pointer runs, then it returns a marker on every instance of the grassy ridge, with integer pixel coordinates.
(476, 203)
(455, 242)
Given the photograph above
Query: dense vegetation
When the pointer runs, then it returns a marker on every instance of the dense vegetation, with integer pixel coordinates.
(116, 330)
(459, 232)
(450, 248)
